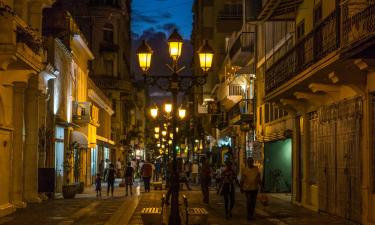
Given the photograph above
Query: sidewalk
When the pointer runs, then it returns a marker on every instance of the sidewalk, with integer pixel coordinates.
(84, 209)
(279, 212)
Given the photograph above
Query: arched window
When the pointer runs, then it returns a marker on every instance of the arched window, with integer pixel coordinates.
(108, 33)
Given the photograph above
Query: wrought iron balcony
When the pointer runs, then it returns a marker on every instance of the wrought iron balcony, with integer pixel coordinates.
(278, 9)
(82, 112)
(108, 47)
(317, 44)
(241, 112)
(358, 22)
(23, 33)
(242, 49)
(105, 82)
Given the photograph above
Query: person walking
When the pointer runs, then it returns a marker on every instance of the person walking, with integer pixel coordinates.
(228, 177)
(205, 178)
(146, 172)
(194, 172)
(98, 185)
(111, 179)
(118, 168)
(101, 168)
(249, 184)
(129, 176)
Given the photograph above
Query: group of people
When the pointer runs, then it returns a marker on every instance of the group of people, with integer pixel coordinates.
(249, 185)
(226, 180)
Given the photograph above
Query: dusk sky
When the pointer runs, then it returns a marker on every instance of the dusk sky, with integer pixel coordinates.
(162, 15)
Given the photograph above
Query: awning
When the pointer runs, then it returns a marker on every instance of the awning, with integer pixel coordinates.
(80, 138)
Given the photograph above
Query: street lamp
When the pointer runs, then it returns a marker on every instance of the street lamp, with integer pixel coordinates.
(168, 108)
(175, 84)
(181, 113)
(144, 54)
(206, 54)
(154, 111)
(157, 129)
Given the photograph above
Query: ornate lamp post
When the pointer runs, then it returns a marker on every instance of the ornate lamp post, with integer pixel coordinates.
(174, 83)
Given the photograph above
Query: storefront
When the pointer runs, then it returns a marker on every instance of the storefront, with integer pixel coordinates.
(278, 166)
(59, 158)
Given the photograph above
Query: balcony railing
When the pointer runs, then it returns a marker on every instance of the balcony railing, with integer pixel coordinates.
(321, 41)
(243, 46)
(104, 82)
(358, 22)
(243, 108)
(108, 47)
(24, 33)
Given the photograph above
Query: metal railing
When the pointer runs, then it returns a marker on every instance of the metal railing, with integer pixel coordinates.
(24, 33)
(357, 22)
(245, 42)
(243, 107)
(321, 41)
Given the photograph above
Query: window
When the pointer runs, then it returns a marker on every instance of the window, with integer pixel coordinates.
(108, 33)
(108, 67)
(317, 13)
(301, 29)
(234, 10)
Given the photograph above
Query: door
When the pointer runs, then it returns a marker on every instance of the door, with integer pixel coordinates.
(59, 158)
(339, 152)
(5, 160)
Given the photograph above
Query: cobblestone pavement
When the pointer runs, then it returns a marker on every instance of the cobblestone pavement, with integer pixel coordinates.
(278, 212)
(86, 209)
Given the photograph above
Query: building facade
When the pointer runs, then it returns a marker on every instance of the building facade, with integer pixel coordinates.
(315, 90)
(23, 79)
(106, 25)
(214, 21)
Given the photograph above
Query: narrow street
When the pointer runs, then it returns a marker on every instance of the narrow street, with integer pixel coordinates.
(87, 209)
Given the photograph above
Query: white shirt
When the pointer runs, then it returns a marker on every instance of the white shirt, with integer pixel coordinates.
(118, 165)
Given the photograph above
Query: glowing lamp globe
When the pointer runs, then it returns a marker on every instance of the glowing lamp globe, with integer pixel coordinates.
(144, 53)
(206, 55)
(175, 42)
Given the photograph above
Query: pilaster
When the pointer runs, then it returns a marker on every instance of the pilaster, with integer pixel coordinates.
(18, 144)
(30, 166)
(42, 130)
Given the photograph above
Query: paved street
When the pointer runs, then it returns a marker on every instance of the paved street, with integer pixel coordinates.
(86, 209)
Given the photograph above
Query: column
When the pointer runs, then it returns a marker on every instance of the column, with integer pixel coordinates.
(296, 153)
(42, 133)
(30, 165)
(17, 158)
(306, 197)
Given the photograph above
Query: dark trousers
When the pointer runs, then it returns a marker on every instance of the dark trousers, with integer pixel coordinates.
(146, 181)
(205, 190)
(228, 193)
(251, 198)
(110, 183)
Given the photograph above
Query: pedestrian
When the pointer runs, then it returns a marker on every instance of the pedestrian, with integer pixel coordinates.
(249, 184)
(98, 185)
(146, 172)
(106, 168)
(205, 178)
(101, 168)
(183, 178)
(187, 170)
(157, 171)
(118, 167)
(153, 171)
(111, 178)
(218, 177)
(228, 177)
(129, 176)
(194, 172)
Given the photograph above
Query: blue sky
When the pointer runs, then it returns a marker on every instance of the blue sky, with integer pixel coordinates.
(162, 16)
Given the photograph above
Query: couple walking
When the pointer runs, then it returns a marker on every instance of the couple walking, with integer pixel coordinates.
(249, 184)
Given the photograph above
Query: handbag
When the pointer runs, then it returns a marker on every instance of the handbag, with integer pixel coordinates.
(263, 199)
